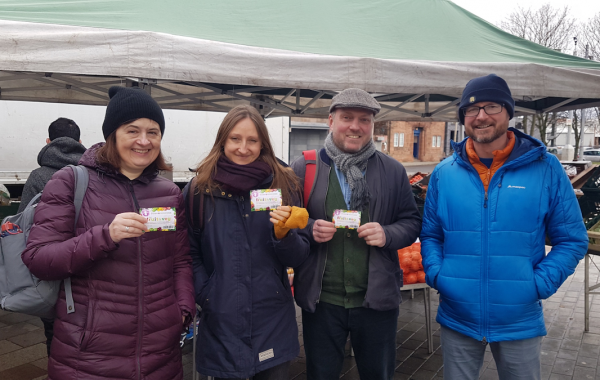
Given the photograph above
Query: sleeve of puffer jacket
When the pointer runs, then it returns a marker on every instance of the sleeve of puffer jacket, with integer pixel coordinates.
(182, 265)
(565, 228)
(53, 251)
(432, 234)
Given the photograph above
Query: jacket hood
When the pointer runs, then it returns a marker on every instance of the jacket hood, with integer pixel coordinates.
(60, 152)
(88, 159)
(523, 145)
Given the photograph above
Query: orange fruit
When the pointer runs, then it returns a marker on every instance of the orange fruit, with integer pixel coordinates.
(410, 278)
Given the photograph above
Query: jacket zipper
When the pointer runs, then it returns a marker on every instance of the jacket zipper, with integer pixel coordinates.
(324, 213)
(141, 292)
(500, 171)
(483, 250)
(484, 262)
(245, 223)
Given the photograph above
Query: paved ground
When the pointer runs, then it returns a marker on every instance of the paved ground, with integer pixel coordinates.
(567, 352)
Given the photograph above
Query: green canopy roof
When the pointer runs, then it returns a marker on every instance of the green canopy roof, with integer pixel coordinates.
(403, 47)
(432, 30)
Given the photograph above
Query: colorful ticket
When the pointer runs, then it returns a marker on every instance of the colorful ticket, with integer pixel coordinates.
(160, 218)
(265, 199)
(346, 219)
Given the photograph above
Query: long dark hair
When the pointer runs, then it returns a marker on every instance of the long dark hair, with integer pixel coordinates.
(283, 177)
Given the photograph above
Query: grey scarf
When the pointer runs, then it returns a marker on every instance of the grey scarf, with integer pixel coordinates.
(352, 165)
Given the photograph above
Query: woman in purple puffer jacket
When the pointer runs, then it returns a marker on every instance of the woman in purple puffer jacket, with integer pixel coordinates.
(132, 288)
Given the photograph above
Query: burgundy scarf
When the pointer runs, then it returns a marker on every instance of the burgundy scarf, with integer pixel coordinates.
(241, 178)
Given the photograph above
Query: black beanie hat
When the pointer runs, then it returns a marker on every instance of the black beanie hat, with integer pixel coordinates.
(127, 104)
(490, 88)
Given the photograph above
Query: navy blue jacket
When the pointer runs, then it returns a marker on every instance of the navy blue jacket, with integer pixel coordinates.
(484, 252)
(248, 318)
(392, 205)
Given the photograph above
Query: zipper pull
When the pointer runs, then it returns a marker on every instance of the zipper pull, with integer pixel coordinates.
(484, 341)
(485, 201)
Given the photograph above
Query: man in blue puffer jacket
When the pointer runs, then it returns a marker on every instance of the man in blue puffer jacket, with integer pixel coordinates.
(489, 208)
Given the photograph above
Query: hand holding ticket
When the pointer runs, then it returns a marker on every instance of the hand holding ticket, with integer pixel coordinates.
(160, 218)
(346, 219)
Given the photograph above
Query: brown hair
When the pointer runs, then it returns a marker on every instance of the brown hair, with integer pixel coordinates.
(283, 177)
(109, 155)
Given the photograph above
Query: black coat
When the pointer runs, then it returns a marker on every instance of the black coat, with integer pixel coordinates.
(391, 205)
(241, 283)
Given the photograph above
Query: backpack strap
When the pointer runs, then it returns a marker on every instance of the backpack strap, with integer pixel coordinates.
(310, 158)
(82, 179)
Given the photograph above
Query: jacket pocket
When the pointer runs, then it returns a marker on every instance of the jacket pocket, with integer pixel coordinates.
(204, 297)
(438, 282)
(282, 291)
(86, 332)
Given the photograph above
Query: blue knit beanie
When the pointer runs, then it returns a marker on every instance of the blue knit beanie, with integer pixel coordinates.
(490, 88)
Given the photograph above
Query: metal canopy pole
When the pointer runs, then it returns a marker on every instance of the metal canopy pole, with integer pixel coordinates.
(397, 108)
(452, 103)
(317, 97)
(281, 101)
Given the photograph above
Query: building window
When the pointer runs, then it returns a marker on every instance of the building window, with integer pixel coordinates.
(401, 139)
(396, 139)
(436, 141)
(439, 141)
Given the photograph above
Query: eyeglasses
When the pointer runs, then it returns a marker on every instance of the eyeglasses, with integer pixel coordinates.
(490, 109)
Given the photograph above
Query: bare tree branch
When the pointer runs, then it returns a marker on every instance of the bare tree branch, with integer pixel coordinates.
(548, 26)
(590, 32)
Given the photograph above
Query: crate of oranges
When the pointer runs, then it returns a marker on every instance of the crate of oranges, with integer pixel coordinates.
(411, 264)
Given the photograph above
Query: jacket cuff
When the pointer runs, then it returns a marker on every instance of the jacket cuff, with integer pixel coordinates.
(109, 244)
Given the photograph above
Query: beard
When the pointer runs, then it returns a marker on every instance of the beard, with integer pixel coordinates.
(486, 139)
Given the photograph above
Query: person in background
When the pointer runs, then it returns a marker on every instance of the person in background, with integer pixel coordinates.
(132, 288)
(63, 147)
(247, 326)
(350, 283)
(488, 211)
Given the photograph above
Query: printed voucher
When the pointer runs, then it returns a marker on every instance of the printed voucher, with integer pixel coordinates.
(265, 199)
(160, 218)
(346, 219)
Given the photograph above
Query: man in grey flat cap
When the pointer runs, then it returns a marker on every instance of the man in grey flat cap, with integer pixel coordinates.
(350, 283)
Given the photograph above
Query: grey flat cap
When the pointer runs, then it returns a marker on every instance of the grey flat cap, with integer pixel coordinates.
(355, 98)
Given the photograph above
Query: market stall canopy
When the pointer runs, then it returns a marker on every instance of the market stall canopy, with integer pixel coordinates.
(288, 57)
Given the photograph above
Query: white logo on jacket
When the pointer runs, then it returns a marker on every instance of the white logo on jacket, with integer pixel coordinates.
(268, 354)
(515, 187)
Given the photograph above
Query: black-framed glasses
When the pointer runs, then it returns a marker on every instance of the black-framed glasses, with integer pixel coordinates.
(490, 109)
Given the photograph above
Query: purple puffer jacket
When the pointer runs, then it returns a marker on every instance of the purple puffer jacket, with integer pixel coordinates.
(129, 297)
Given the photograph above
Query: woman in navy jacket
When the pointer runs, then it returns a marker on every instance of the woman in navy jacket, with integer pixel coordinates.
(248, 320)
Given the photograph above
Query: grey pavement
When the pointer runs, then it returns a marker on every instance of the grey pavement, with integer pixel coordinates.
(567, 352)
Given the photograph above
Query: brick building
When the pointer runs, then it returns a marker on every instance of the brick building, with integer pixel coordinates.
(409, 141)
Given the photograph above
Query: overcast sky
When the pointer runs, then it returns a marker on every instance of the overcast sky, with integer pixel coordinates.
(496, 11)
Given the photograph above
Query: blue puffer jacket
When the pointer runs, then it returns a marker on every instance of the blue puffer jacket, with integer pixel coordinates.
(248, 318)
(485, 253)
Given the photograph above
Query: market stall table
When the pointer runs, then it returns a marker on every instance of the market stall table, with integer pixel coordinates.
(427, 301)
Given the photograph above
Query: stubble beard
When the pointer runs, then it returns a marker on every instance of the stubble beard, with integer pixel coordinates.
(340, 144)
(486, 140)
